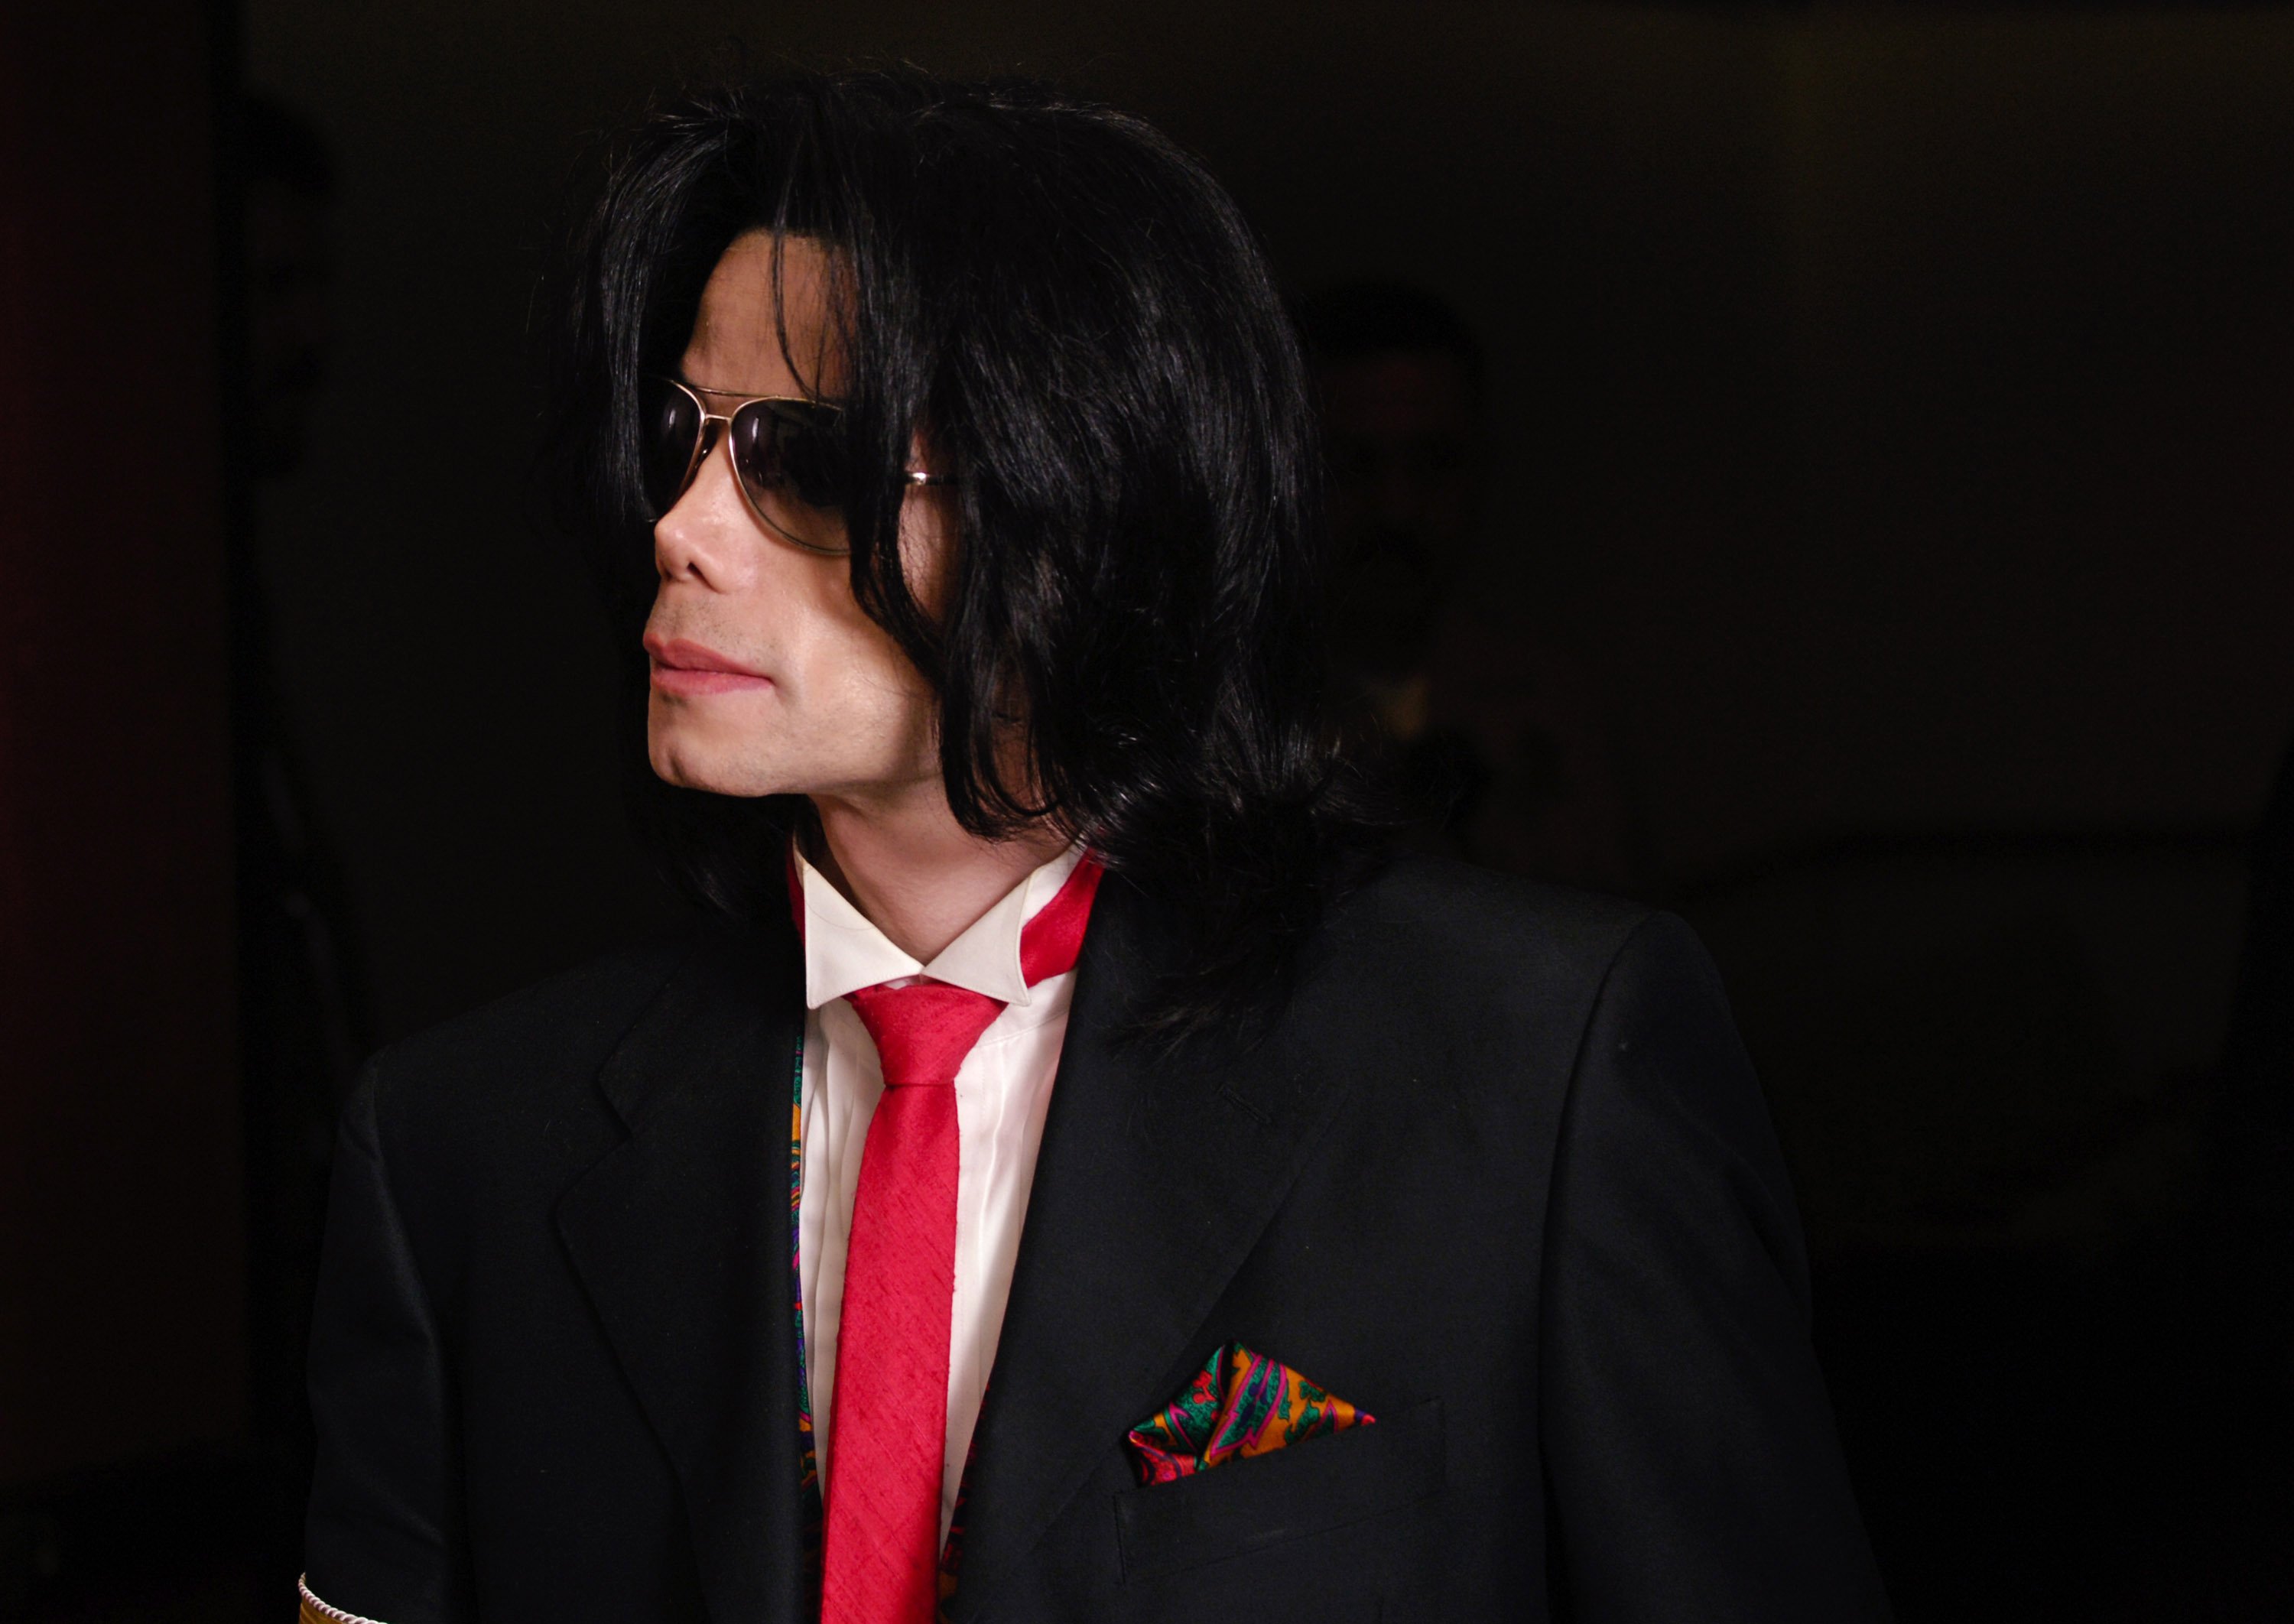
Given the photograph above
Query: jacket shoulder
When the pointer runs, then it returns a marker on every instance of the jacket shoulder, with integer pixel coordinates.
(567, 1022)
(1472, 984)
(518, 1077)
(1474, 932)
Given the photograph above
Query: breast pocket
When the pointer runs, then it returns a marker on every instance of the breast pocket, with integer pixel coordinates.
(1309, 1488)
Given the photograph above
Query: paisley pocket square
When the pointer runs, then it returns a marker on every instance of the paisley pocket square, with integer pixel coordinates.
(1239, 1404)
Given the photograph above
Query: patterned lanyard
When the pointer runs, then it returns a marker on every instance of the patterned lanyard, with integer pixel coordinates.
(809, 1465)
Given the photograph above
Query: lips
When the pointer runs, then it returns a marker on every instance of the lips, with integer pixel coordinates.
(683, 666)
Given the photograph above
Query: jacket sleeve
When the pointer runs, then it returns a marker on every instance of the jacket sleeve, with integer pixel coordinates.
(383, 1536)
(1692, 1465)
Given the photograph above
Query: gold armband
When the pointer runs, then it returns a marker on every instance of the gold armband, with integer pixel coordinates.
(316, 1611)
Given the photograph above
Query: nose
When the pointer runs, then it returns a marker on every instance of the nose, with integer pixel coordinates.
(706, 538)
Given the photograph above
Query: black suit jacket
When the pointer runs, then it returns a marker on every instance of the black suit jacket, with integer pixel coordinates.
(1500, 1174)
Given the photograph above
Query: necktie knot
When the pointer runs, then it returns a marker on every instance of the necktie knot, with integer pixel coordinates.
(924, 1030)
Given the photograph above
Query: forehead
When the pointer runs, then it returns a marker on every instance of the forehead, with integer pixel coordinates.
(1397, 393)
(737, 342)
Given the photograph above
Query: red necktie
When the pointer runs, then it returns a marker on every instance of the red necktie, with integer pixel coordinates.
(880, 1553)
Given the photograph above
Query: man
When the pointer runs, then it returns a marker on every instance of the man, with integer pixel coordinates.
(304, 1030)
(1184, 1215)
(1490, 722)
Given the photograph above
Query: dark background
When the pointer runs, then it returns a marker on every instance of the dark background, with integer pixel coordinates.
(1894, 421)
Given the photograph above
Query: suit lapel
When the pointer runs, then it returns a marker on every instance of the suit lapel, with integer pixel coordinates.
(1155, 1180)
(680, 1236)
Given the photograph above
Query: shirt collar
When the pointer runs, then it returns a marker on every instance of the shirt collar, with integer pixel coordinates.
(843, 952)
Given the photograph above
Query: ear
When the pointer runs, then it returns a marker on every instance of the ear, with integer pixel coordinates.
(928, 538)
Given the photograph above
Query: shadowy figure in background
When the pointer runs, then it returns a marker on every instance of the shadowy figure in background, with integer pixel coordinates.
(303, 1029)
(2252, 1154)
(287, 181)
(2256, 1143)
(1488, 726)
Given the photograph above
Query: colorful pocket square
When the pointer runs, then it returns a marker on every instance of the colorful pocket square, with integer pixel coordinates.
(1240, 1403)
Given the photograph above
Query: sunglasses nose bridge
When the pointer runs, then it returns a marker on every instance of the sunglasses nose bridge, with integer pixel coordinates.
(706, 439)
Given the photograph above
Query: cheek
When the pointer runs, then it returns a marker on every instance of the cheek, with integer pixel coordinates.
(844, 651)
(887, 716)
(866, 688)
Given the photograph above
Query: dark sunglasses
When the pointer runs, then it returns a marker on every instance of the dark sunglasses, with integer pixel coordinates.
(789, 458)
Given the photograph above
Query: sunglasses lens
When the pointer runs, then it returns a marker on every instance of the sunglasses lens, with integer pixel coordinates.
(790, 459)
(669, 422)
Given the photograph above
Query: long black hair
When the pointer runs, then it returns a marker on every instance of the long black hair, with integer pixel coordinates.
(1081, 320)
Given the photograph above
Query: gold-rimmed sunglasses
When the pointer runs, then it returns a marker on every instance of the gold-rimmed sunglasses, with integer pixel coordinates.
(789, 458)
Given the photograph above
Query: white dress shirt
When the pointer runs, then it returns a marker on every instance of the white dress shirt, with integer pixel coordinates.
(1002, 1090)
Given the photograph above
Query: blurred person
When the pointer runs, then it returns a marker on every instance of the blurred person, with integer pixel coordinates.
(2255, 1143)
(1073, 1172)
(1490, 725)
(287, 200)
(302, 1020)
(2251, 1160)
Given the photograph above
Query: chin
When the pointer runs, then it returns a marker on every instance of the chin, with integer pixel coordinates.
(680, 756)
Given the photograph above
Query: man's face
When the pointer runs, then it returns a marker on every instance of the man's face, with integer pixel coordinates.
(814, 697)
(1405, 438)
